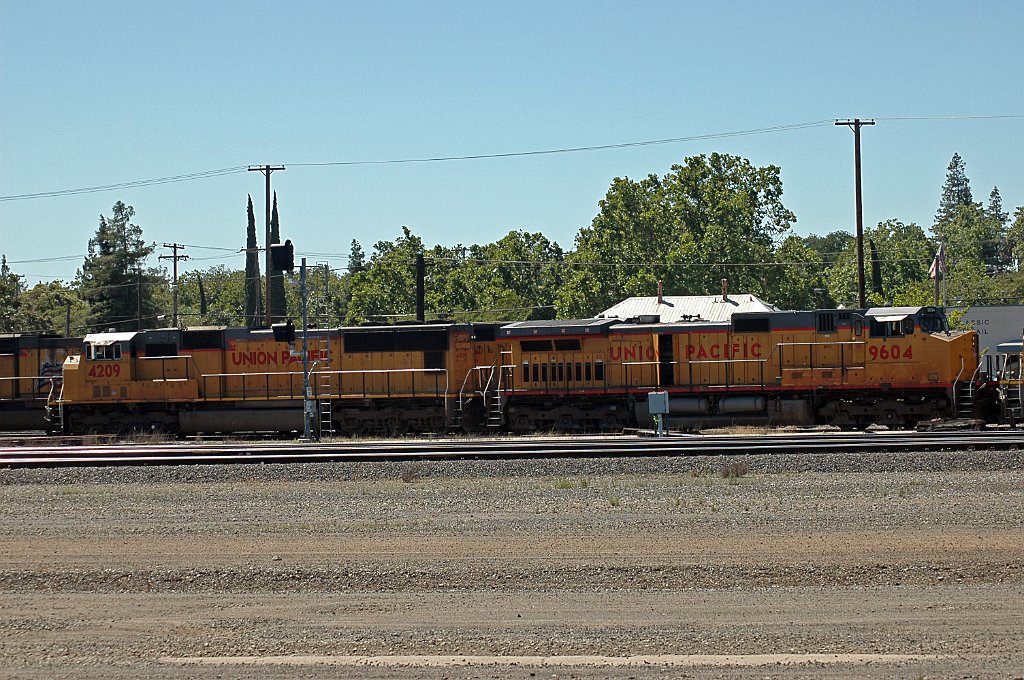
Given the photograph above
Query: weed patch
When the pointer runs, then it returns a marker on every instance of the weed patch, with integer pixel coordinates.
(734, 470)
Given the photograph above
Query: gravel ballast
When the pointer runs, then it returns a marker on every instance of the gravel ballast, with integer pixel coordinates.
(134, 571)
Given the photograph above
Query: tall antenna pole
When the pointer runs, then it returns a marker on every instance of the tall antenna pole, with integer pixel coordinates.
(856, 125)
(266, 170)
(174, 287)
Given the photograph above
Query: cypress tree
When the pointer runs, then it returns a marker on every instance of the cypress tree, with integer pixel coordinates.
(253, 308)
(876, 270)
(278, 309)
(202, 295)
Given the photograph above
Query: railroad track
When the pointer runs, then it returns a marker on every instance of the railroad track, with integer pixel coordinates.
(35, 454)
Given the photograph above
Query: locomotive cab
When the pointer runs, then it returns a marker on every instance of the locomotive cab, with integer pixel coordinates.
(1010, 381)
(105, 359)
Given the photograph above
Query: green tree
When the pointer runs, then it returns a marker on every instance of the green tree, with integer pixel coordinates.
(278, 305)
(800, 282)
(511, 279)
(1006, 288)
(10, 293)
(708, 218)
(221, 290)
(387, 286)
(995, 207)
(830, 246)
(1004, 246)
(48, 308)
(955, 192)
(904, 253)
(253, 306)
(328, 296)
(1015, 238)
(971, 235)
(356, 258)
(515, 278)
(114, 279)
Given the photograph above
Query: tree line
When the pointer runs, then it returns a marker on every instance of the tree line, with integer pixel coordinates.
(710, 217)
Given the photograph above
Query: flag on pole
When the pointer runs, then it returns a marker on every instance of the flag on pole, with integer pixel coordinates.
(939, 263)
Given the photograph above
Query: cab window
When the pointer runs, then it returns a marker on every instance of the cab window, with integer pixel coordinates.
(105, 352)
(886, 329)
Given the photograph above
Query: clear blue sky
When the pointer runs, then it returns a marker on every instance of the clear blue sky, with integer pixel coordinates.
(107, 92)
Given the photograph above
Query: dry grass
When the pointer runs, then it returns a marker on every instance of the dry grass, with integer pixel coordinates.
(411, 472)
(734, 470)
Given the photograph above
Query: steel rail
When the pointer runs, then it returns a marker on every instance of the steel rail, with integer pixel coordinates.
(183, 453)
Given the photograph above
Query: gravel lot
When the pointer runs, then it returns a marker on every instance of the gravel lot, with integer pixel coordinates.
(474, 569)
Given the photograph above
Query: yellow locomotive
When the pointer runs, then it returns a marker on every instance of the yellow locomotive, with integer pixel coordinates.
(30, 367)
(387, 379)
(848, 368)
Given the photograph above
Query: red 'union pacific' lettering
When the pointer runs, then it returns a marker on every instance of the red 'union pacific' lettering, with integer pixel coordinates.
(254, 358)
(632, 353)
(274, 358)
(716, 351)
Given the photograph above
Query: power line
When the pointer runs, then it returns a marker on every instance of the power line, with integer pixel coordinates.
(995, 117)
(204, 174)
(577, 149)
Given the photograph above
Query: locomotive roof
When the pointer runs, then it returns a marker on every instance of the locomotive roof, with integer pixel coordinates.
(109, 338)
(674, 308)
(557, 327)
(625, 326)
(896, 311)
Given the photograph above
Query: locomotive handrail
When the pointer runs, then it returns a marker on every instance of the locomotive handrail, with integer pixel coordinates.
(956, 405)
(294, 393)
(762, 360)
(389, 372)
(30, 394)
(474, 372)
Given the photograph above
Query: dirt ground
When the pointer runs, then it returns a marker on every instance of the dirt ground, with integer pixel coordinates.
(564, 569)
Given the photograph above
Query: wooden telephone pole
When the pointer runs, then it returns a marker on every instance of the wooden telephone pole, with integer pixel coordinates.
(856, 125)
(174, 287)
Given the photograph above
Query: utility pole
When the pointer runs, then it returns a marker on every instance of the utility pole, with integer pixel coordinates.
(856, 125)
(308, 405)
(267, 170)
(421, 271)
(174, 286)
(138, 296)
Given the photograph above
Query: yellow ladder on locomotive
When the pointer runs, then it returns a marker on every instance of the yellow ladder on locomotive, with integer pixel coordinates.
(327, 382)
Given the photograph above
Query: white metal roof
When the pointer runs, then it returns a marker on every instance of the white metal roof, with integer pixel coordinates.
(100, 339)
(675, 308)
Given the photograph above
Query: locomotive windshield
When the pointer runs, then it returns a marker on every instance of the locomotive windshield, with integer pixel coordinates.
(103, 352)
(933, 320)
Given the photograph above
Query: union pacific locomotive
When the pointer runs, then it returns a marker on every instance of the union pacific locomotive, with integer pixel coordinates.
(848, 368)
(30, 368)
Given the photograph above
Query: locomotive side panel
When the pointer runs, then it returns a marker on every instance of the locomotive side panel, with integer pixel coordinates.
(30, 368)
